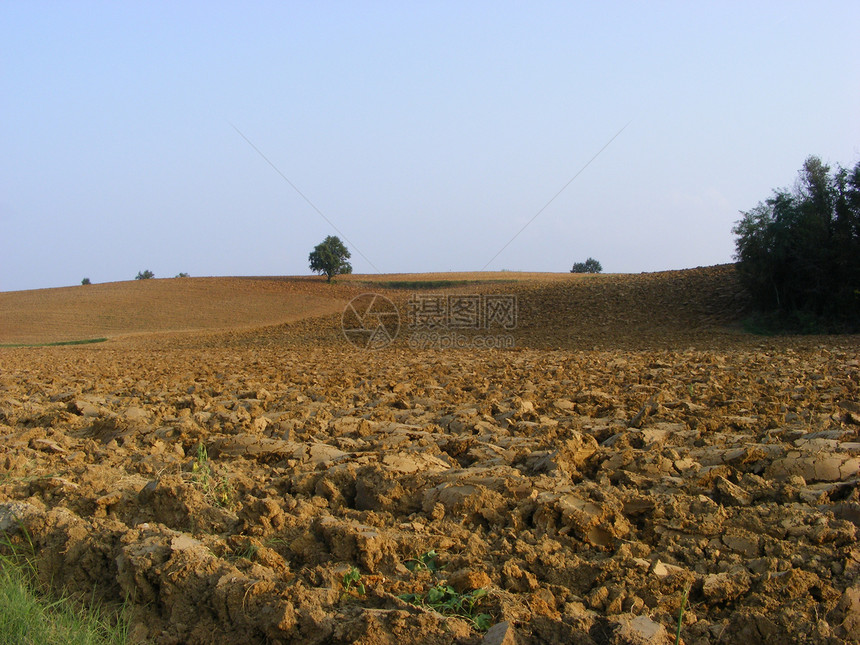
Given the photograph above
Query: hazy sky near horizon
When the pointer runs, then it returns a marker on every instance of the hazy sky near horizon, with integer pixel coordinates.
(427, 133)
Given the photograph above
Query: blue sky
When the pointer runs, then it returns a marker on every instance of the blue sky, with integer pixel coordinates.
(428, 133)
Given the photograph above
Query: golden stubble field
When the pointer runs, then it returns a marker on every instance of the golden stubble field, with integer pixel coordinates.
(228, 462)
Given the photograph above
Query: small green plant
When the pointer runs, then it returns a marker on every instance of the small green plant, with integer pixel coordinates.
(86, 281)
(681, 614)
(447, 601)
(352, 582)
(182, 275)
(144, 275)
(425, 562)
(217, 489)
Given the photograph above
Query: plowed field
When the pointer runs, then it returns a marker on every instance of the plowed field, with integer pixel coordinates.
(229, 462)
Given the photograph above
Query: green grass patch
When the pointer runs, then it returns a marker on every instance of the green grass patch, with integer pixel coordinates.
(247, 551)
(29, 616)
(88, 341)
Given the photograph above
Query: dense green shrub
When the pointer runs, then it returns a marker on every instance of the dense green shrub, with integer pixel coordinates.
(144, 275)
(798, 252)
(589, 266)
(86, 281)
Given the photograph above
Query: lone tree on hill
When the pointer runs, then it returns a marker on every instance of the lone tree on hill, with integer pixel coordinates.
(330, 257)
(144, 275)
(798, 252)
(589, 266)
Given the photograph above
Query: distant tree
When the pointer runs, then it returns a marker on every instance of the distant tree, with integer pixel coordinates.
(85, 281)
(182, 275)
(330, 257)
(589, 266)
(798, 252)
(145, 275)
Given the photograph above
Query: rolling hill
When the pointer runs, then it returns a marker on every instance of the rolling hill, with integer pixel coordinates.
(554, 309)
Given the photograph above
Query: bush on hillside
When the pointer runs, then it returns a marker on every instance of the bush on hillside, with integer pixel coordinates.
(145, 275)
(589, 266)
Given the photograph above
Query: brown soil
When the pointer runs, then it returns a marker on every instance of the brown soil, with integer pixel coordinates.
(119, 309)
(633, 444)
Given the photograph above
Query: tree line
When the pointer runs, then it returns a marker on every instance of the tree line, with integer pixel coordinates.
(798, 252)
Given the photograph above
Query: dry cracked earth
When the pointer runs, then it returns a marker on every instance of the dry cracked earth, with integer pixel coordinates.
(280, 486)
